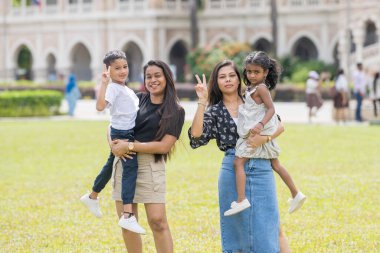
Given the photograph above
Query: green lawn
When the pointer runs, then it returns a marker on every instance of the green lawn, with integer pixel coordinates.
(47, 165)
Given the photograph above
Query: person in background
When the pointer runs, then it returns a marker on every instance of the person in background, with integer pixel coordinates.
(72, 94)
(313, 95)
(375, 93)
(360, 83)
(341, 97)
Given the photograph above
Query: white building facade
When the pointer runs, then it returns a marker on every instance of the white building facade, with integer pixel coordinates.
(62, 36)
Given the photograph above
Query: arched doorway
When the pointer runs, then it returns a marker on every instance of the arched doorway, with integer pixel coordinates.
(135, 62)
(370, 34)
(305, 49)
(177, 60)
(80, 62)
(24, 60)
(262, 45)
(51, 71)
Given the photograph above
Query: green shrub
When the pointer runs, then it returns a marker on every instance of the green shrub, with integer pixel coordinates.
(296, 70)
(202, 60)
(30, 103)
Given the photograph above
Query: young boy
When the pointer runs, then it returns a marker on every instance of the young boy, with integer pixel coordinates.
(123, 104)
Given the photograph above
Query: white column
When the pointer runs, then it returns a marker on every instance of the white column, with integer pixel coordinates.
(150, 45)
(359, 40)
(281, 37)
(96, 62)
(63, 66)
(162, 44)
(202, 36)
(326, 56)
(241, 32)
(39, 68)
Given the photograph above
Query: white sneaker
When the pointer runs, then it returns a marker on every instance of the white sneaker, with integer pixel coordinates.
(237, 207)
(297, 202)
(91, 204)
(131, 224)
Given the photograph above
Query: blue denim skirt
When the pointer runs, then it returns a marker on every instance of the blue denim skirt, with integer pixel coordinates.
(255, 230)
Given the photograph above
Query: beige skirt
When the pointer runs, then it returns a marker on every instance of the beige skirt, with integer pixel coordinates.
(151, 180)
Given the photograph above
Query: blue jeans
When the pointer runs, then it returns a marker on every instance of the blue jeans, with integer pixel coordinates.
(128, 181)
(256, 229)
(358, 111)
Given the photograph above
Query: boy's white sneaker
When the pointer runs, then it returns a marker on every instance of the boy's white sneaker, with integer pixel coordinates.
(91, 204)
(297, 202)
(131, 224)
(237, 207)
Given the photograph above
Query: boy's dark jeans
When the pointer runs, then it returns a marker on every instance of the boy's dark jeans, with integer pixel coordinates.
(128, 182)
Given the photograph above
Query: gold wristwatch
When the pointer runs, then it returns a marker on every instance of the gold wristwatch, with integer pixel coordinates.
(131, 146)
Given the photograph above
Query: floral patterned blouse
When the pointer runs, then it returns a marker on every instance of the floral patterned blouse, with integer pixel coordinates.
(217, 124)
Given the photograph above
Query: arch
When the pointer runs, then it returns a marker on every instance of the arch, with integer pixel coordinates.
(135, 39)
(70, 46)
(262, 44)
(299, 35)
(135, 61)
(24, 63)
(370, 36)
(177, 60)
(305, 49)
(51, 71)
(12, 58)
(220, 38)
(80, 62)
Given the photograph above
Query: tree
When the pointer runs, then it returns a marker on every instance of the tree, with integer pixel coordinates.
(273, 18)
(194, 5)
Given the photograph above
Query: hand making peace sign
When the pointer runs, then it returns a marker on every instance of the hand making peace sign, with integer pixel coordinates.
(201, 89)
(106, 74)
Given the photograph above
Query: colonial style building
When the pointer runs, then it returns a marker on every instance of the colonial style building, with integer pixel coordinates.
(59, 36)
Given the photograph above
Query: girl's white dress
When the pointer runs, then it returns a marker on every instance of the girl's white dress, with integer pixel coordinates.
(249, 115)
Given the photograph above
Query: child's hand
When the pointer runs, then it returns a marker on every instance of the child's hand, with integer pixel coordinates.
(201, 89)
(257, 129)
(106, 75)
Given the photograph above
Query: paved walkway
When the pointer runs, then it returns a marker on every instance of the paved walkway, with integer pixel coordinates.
(290, 112)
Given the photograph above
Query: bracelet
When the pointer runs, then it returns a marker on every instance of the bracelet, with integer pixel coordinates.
(269, 138)
(261, 123)
(200, 103)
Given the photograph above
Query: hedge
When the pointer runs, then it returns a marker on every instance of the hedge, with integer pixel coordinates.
(30, 103)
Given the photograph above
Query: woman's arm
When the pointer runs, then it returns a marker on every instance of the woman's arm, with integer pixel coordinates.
(122, 147)
(256, 140)
(201, 90)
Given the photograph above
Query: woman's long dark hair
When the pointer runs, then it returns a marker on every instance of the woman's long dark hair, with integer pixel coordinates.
(263, 60)
(214, 93)
(170, 110)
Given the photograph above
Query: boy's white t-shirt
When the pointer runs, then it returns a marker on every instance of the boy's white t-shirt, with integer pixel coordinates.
(123, 105)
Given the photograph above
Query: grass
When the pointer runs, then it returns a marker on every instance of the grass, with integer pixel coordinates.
(46, 166)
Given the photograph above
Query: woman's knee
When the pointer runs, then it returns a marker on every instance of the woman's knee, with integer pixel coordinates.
(158, 223)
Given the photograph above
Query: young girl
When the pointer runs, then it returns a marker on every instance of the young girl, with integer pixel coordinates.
(257, 115)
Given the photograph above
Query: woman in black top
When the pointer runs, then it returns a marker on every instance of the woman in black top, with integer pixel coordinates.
(158, 126)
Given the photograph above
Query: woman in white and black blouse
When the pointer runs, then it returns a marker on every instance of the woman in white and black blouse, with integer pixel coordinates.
(256, 230)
